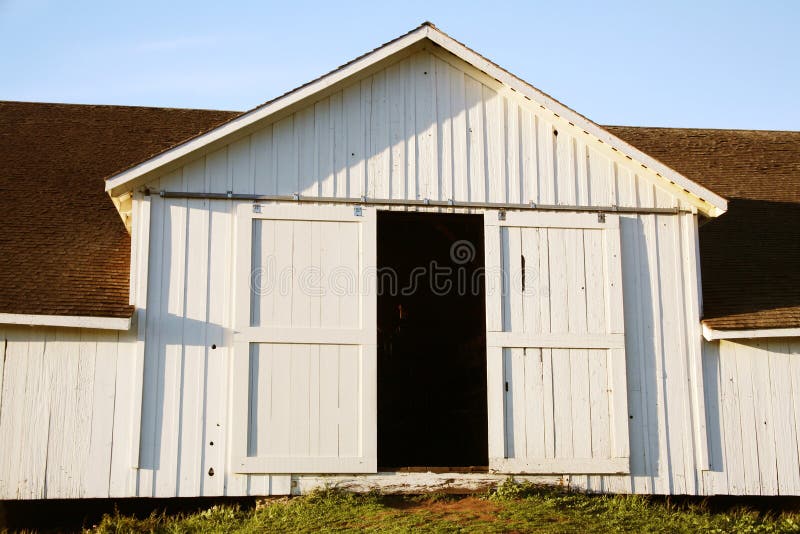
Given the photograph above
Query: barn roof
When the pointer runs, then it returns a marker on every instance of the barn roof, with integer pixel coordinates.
(750, 257)
(63, 248)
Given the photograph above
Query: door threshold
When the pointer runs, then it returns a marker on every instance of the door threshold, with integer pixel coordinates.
(436, 469)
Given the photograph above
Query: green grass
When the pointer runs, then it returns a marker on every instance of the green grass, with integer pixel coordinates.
(510, 508)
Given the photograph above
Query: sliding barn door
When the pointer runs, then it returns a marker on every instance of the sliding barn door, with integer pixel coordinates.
(305, 340)
(556, 344)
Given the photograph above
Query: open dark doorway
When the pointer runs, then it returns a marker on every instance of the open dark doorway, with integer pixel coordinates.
(431, 341)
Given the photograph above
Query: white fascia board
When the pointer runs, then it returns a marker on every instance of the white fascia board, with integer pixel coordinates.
(714, 205)
(711, 335)
(67, 321)
(719, 205)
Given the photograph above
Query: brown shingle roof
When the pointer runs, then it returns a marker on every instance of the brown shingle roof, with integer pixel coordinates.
(63, 247)
(750, 256)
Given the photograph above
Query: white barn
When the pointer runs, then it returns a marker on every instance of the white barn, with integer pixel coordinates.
(246, 338)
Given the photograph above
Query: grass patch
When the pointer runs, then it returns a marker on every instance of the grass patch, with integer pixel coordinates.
(510, 508)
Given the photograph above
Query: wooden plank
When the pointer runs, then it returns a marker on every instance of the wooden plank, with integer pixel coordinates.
(535, 286)
(562, 466)
(495, 128)
(351, 114)
(529, 166)
(564, 147)
(166, 440)
(301, 263)
(461, 181)
(307, 154)
(379, 162)
(535, 417)
(62, 416)
(496, 410)
(765, 425)
(340, 146)
(299, 399)
(397, 135)
(122, 478)
(98, 466)
(285, 150)
(494, 273)
(13, 394)
(329, 400)
(324, 169)
(748, 426)
(559, 303)
(600, 404)
(783, 417)
(576, 281)
(475, 140)
(426, 127)
(140, 240)
(546, 159)
(562, 403)
(444, 128)
(549, 403)
(350, 402)
(220, 275)
(193, 337)
(412, 189)
(264, 180)
(295, 465)
(513, 317)
(39, 440)
(555, 341)
(580, 403)
(513, 142)
(544, 219)
(693, 297)
(794, 364)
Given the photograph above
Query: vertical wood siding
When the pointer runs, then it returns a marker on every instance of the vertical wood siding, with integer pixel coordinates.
(426, 127)
(64, 413)
(753, 400)
(430, 126)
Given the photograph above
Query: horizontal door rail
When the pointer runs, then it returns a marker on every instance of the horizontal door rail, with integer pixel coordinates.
(421, 203)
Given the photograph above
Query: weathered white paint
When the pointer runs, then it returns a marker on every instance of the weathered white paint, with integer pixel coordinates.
(753, 400)
(555, 344)
(65, 400)
(453, 133)
(305, 397)
(70, 321)
(711, 334)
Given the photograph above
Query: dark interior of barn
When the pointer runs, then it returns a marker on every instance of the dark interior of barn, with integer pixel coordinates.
(431, 341)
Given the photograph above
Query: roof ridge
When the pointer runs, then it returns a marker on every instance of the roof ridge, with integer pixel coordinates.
(698, 129)
(108, 106)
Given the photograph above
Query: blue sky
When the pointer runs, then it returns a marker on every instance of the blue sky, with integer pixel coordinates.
(723, 64)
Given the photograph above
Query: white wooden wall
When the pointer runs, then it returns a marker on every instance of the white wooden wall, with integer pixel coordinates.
(65, 413)
(753, 399)
(427, 126)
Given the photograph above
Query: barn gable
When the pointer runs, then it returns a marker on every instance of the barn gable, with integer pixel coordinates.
(422, 123)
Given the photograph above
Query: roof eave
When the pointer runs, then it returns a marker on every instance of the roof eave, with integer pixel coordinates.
(67, 321)
(712, 334)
